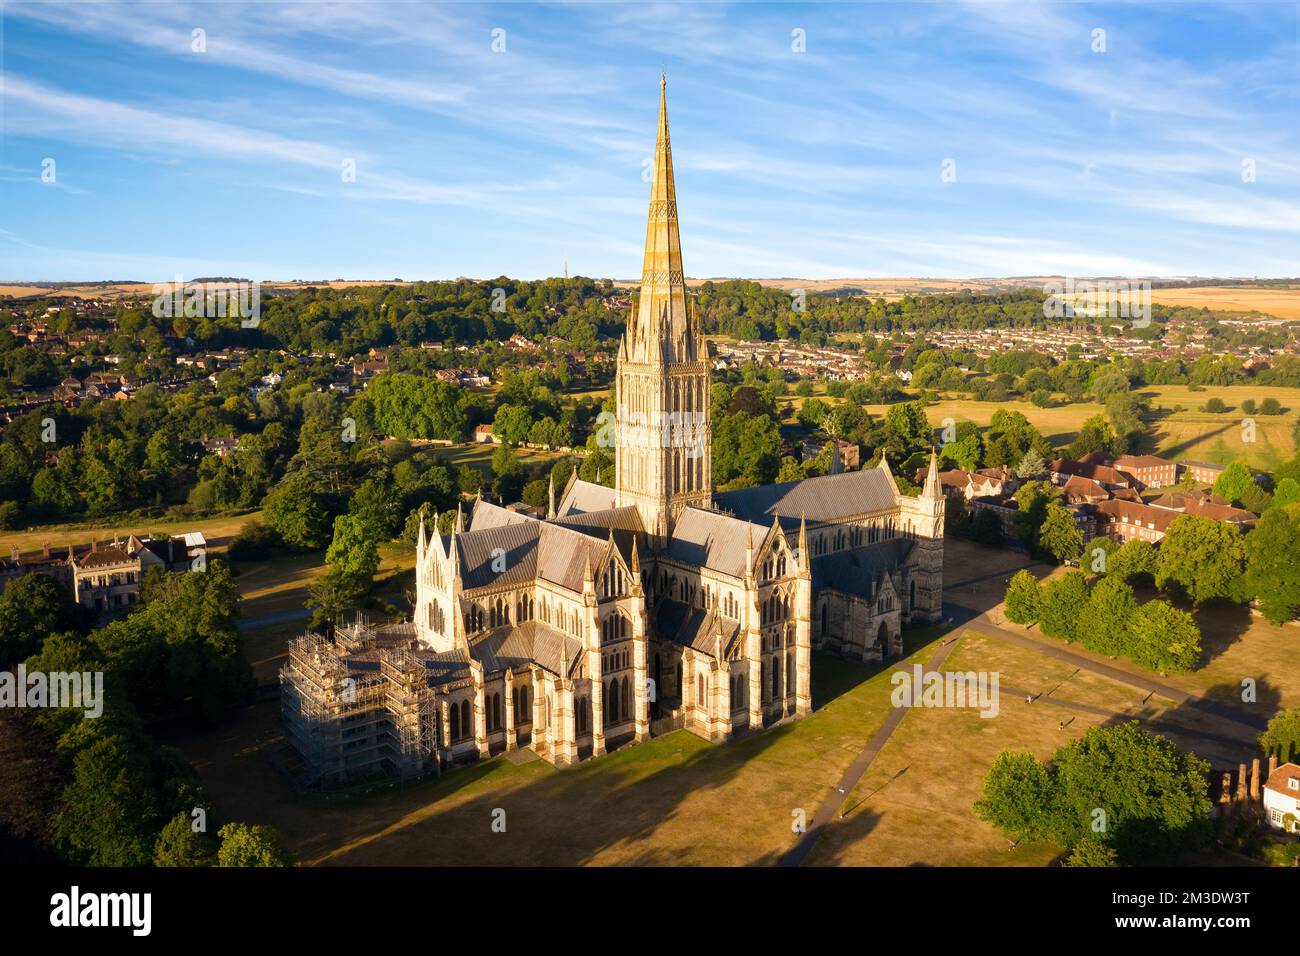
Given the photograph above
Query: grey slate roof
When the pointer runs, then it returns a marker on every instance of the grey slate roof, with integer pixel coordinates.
(524, 548)
(827, 498)
(530, 642)
(583, 497)
(858, 570)
(694, 627)
(714, 540)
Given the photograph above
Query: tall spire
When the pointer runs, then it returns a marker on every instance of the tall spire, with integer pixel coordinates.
(661, 330)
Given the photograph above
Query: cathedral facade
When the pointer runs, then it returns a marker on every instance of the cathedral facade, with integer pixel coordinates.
(631, 611)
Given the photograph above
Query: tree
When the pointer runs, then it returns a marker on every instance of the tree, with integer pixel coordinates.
(1031, 465)
(1017, 796)
(1272, 570)
(1104, 623)
(31, 608)
(299, 517)
(1282, 738)
(1095, 435)
(1132, 559)
(1234, 481)
(1062, 605)
(1023, 598)
(1032, 500)
(242, 845)
(1059, 536)
(511, 424)
(1286, 492)
(178, 844)
(108, 808)
(1153, 795)
(354, 550)
(1164, 638)
(1092, 851)
(1202, 556)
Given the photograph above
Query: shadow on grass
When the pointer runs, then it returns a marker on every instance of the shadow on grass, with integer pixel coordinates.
(566, 818)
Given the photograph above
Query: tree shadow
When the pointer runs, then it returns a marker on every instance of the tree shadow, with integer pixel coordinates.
(1220, 726)
(1222, 624)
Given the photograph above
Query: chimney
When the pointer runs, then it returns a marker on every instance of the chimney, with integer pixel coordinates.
(45, 549)
(1254, 779)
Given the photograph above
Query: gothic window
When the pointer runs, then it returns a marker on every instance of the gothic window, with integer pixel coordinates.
(627, 709)
(466, 725)
(611, 703)
(523, 706)
(700, 700)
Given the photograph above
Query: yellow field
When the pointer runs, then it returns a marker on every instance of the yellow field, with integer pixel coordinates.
(1186, 434)
(1282, 303)
(218, 532)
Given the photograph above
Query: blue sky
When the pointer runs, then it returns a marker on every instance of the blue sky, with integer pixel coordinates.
(820, 164)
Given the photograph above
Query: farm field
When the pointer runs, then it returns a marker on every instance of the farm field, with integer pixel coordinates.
(1282, 303)
(218, 531)
(1188, 433)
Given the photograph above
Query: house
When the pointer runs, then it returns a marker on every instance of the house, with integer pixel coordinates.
(1088, 467)
(1207, 505)
(1080, 490)
(1149, 471)
(850, 455)
(1282, 798)
(985, 483)
(1132, 521)
(221, 447)
(483, 435)
(1202, 471)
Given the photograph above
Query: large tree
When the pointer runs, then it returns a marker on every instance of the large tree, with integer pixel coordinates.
(1282, 738)
(1273, 565)
(1202, 556)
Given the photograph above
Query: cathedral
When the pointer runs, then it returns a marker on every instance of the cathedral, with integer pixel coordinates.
(631, 611)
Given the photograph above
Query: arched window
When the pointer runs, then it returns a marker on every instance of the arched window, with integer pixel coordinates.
(611, 702)
(627, 700)
(466, 725)
(455, 722)
(496, 711)
(523, 707)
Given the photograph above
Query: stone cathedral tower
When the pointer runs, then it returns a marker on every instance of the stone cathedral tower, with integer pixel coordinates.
(664, 450)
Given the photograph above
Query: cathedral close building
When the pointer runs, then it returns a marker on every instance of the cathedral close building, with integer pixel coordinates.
(631, 611)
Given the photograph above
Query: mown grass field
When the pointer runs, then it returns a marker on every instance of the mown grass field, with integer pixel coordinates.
(218, 531)
(1178, 428)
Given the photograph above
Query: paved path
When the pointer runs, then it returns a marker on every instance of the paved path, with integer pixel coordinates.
(976, 621)
(830, 808)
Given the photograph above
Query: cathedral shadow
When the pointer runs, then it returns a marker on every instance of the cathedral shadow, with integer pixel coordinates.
(1157, 436)
(568, 818)
(845, 833)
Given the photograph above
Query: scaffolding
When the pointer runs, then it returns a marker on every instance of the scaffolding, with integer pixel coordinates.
(352, 711)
